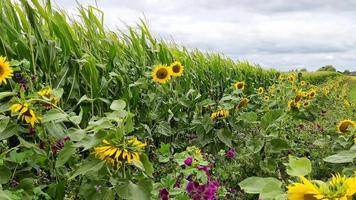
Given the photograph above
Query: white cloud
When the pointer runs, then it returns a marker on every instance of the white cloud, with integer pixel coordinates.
(280, 33)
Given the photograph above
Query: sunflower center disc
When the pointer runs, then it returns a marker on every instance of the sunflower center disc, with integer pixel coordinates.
(176, 68)
(162, 73)
(1, 70)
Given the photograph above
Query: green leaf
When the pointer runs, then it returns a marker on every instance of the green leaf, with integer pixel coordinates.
(118, 105)
(54, 115)
(65, 154)
(270, 117)
(255, 185)
(146, 164)
(279, 145)
(5, 175)
(9, 131)
(4, 196)
(271, 190)
(4, 120)
(225, 136)
(56, 191)
(131, 191)
(249, 116)
(298, 166)
(93, 165)
(164, 129)
(341, 157)
(254, 145)
(6, 94)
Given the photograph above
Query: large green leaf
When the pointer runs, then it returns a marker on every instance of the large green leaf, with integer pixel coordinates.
(6, 94)
(279, 145)
(255, 185)
(93, 165)
(118, 105)
(298, 166)
(131, 191)
(65, 154)
(270, 117)
(5, 175)
(54, 115)
(147, 165)
(10, 130)
(342, 157)
(225, 136)
(4, 120)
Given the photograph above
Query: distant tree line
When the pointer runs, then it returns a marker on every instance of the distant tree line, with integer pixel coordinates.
(329, 68)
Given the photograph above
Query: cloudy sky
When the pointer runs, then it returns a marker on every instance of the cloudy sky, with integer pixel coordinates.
(283, 34)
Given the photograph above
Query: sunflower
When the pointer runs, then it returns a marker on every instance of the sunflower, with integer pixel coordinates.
(176, 69)
(302, 83)
(298, 97)
(303, 191)
(26, 114)
(293, 105)
(344, 125)
(266, 98)
(281, 77)
(161, 74)
(116, 154)
(239, 85)
(260, 90)
(220, 114)
(338, 188)
(291, 78)
(47, 93)
(242, 103)
(6, 71)
(312, 93)
(306, 104)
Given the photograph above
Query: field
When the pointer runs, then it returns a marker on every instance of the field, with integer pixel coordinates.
(87, 113)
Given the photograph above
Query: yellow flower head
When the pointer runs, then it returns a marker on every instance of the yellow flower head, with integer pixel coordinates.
(45, 92)
(26, 114)
(312, 93)
(220, 114)
(6, 71)
(242, 103)
(260, 90)
(306, 104)
(161, 74)
(114, 155)
(176, 69)
(302, 83)
(337, 188)
(344, 125)
(266, 98)
(292, 78)
(298, 97)
(48, 94)
(240, 85)
(306, 190)
(293, 105)
(281, 77)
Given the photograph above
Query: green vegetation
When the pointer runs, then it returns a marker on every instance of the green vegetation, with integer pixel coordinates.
(87, 113)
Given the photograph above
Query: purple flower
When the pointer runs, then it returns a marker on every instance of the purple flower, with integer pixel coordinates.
(163, 194)
(190, 187)
(203, 168)
(188, 161)
(230, 154)
(177, 184)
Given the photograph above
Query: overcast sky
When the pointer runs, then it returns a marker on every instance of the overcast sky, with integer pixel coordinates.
(283, 34)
